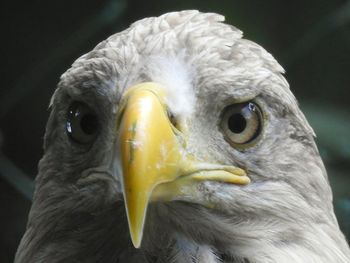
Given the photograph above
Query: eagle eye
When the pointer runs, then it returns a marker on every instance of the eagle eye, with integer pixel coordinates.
(242, 124)
(82, 123)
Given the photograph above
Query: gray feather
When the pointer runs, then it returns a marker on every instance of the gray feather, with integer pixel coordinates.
(284, 215)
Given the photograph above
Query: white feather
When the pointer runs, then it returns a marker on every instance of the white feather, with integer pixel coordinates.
(175, 74)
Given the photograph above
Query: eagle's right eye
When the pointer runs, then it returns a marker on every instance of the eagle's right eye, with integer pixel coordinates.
(82, 124)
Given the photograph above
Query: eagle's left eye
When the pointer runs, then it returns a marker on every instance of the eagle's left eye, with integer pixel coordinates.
(242, 124)
(82, 123)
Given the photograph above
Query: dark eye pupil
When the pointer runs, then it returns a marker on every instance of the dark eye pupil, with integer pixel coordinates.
(237, 123)
(89, 124)
(82, 123)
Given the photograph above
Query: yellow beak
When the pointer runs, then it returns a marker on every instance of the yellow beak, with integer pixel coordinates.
(152, 152)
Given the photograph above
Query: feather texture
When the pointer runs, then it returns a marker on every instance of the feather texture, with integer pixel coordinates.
(284, 215)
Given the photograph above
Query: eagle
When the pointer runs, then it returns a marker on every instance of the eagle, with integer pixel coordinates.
(177, 140)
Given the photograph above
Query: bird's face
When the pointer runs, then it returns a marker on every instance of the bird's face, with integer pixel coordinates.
(199, 129)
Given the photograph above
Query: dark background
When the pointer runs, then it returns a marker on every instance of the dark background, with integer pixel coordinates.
(40, 40)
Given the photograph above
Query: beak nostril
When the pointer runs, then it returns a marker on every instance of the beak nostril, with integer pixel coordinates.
(172, 119)
(178, 127)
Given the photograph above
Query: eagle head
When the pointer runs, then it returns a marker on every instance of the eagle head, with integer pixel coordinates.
(177, 140)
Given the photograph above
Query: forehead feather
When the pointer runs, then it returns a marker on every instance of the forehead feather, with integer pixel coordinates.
(201, 49)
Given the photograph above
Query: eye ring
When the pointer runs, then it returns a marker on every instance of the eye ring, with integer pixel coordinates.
(242, 124)
(82, 124)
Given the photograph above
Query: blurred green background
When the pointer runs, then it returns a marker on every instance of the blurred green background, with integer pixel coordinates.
(40, 39)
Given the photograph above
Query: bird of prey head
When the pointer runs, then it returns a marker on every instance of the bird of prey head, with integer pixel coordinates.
(178, 141)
